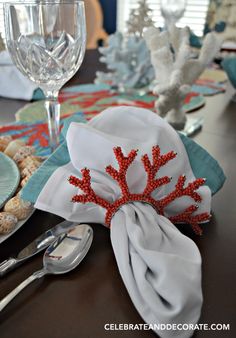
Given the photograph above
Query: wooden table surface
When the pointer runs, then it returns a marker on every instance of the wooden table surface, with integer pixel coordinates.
(79, 304)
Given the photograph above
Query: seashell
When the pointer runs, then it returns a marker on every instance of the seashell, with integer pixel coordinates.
(18, 207)
(24, 181)
(7, 222)
(41, 158)
(13, 147)
(29, 160)
(4, 141)
(23, 153)
(30, 169)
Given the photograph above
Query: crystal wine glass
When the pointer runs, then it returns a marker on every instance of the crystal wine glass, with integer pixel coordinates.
(47, 41)
(172, 10)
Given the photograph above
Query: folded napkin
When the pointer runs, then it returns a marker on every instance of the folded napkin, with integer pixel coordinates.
(12, 83)
(139, 198)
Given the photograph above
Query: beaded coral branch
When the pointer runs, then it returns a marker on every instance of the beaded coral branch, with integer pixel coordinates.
(153, 183)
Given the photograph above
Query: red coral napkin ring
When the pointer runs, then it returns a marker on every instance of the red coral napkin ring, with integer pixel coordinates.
(153, 183)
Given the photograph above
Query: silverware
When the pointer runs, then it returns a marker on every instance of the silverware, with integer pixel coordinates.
(194, 127)
(61, 256)
(36, 246)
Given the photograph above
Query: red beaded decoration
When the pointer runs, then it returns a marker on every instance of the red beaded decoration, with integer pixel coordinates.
(153, 183)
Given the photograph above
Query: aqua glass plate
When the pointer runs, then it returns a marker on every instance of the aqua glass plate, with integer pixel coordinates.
(9, 178)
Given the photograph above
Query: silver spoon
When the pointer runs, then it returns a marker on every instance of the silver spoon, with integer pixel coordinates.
(60, 257)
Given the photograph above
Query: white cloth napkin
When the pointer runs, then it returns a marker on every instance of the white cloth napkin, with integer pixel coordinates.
(160, 267)
(13, 84)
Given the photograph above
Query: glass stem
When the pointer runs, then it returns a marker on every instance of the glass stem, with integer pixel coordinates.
(53, 112)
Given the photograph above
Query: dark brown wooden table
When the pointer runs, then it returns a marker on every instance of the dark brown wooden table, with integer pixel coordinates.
(80, 303)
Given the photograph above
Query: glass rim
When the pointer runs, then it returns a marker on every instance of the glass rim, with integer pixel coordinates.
(41, 2)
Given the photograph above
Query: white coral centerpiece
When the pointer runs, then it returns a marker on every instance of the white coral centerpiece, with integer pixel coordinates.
(175, 70)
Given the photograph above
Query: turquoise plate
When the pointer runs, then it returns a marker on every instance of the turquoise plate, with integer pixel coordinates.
(9, 178)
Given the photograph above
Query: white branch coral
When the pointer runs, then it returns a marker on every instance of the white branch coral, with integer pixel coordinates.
(175, 70)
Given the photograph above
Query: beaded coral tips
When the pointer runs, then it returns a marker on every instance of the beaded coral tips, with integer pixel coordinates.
(153, 183)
